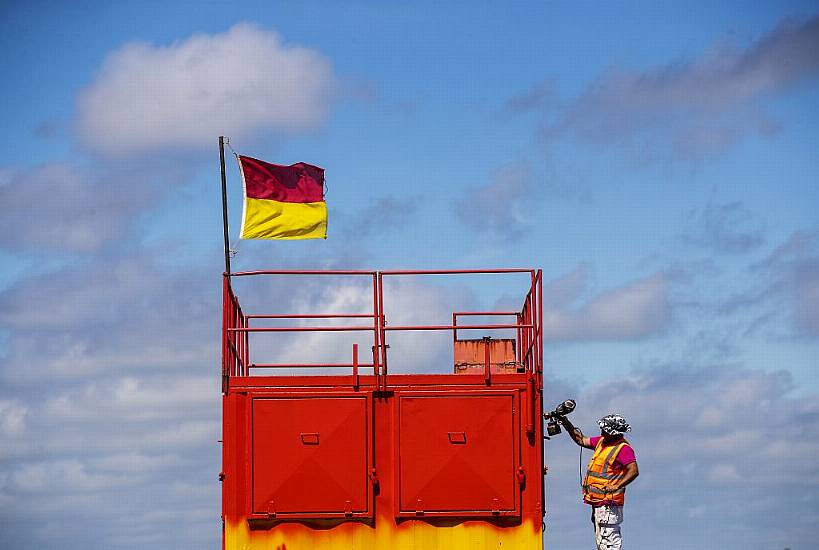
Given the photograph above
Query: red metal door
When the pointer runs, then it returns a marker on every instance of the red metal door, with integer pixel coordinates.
(458, 454)
(310, 456)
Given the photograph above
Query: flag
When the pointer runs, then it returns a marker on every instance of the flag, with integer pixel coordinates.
(282, 202)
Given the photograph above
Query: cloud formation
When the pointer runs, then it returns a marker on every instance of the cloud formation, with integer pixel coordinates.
(636, 310)
(534, 98)
(105, 317)
(238, 83)
(728, 228)
(793, 272)
(110, 406)
(61, 207)
(379, 216)
(694, 108)
(499, 208)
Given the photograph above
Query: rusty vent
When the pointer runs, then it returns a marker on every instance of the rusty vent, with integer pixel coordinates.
(470, 356)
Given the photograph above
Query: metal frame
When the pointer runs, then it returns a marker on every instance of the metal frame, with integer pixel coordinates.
(516, 453)
(244, 380)
(236, 324)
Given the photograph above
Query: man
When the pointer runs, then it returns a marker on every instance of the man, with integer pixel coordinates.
(612, 467)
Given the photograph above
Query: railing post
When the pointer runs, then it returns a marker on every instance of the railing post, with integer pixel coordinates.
(355, 366)
(376, 329)
(519, 350)
(225, 372)
(539, 326)
(382, 323)
(246, 349)
(487, 367)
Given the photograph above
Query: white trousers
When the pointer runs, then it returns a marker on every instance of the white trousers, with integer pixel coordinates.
(607, 520)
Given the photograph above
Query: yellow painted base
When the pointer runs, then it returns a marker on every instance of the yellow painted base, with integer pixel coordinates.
(409, 535)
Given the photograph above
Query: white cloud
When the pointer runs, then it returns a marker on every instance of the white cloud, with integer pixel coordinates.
(237, 83)
(135, 463)
(499, 208)
(107, 317)
(806, 296)
(63, 476)
(378, 216)
(693, 108)
(724, 474)
(726, 228)
(12, 417)
(61, 207)
(136, 399)
(790, 272)
(635, 310)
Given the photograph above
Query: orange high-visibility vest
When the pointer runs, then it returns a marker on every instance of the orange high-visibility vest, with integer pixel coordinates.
(602, 472)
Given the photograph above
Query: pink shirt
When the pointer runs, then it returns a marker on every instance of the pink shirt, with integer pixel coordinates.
(624, 457)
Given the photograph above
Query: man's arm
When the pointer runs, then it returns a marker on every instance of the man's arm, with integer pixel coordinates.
(630, 473)
(575, 433)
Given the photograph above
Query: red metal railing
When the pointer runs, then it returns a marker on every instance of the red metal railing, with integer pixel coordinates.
(236, 325)
(234, 343)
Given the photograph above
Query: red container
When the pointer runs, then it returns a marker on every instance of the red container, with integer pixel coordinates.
(370, 459)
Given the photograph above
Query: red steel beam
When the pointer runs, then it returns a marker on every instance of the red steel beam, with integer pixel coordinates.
(301, 272)
(299, 329)
(454, 271)
(540, 323)
(451, 327)
(376, 324)
(383, 334)
(306, 365)
(464, 313)
(313, 316)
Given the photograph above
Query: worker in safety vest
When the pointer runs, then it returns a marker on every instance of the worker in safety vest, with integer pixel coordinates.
(612, 467)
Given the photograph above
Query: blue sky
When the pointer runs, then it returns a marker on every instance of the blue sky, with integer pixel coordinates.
(656, 160)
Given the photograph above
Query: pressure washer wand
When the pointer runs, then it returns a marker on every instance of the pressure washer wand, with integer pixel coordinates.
(553, 417)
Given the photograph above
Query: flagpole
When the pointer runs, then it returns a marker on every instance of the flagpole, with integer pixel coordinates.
(224, 203)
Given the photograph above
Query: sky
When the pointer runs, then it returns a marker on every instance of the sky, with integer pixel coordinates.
(657, 160)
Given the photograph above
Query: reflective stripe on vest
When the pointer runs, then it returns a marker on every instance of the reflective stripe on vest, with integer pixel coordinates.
(600, 473)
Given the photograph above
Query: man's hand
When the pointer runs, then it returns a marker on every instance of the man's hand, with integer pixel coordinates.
(630, 473)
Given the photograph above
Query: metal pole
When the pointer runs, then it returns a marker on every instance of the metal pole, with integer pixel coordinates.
(224, 203)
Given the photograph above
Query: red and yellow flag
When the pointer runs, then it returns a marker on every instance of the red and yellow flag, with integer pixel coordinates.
(282, 202)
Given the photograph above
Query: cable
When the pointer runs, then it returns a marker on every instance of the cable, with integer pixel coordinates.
(580, 466)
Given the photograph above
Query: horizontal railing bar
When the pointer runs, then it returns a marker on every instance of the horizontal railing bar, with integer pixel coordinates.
(371, 273)
(313, 316)
(307, 366)
(459, 327)
(465, 313)
(302, 272)
(455, 271)
(342, 329)
(298, 329)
